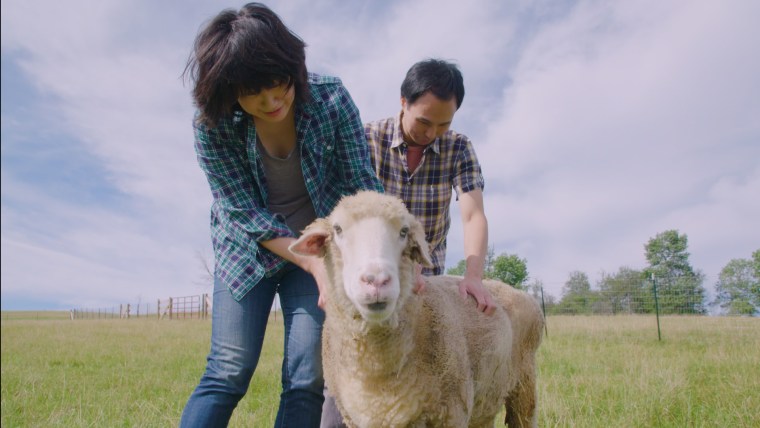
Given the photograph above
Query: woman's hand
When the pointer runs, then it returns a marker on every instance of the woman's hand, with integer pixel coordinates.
(316, 267)
(313, 265)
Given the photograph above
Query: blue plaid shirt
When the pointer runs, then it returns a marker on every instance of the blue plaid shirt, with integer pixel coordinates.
(334, 160)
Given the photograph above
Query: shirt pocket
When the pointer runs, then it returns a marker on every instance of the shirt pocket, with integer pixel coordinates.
(437, 195)
(324, 159)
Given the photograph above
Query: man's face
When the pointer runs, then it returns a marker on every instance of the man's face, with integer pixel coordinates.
(427, 119)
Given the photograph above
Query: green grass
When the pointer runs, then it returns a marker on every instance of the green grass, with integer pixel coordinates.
(35, 315)
(612, 371)
(593, 372)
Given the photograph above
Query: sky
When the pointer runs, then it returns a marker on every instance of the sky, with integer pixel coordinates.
(598, 124)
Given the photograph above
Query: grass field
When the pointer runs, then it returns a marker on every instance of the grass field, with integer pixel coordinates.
(593, 372)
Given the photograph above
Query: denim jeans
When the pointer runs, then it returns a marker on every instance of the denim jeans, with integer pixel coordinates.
(237, 335)
(331, 417)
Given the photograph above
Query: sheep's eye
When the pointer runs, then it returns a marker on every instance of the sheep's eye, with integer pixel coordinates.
(338, 229)
(404, 231)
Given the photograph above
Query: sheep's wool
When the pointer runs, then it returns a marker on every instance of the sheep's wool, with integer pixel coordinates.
(436, 361)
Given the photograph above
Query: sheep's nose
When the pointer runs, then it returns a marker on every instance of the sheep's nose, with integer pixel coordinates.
(377, 279)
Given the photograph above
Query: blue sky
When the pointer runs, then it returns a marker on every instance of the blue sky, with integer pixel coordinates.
(598, 124)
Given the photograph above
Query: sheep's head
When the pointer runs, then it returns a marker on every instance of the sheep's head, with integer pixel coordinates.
(371, 239)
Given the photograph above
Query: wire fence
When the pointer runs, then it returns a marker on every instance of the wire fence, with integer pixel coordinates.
(633, 298)
(184, 307)
(638, 302)
(641, 300)
(628, 293)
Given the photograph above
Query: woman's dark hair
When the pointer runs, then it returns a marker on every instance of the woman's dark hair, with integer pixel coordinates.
(243, 52)
(441, 78)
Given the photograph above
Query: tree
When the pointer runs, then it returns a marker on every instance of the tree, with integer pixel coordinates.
(461, 267)
(577, 297)
(738, 287)
(679, 286)
(623, 291)
(490, 255)
(457, 270)
(509, 269)
(756, 269)
(206, 278)
(536, 289)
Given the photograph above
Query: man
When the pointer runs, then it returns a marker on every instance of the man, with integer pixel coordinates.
(420, 160)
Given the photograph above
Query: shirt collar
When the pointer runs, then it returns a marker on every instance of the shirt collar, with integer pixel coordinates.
(398, 137)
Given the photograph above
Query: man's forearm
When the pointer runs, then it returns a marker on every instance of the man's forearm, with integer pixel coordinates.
(475, 245)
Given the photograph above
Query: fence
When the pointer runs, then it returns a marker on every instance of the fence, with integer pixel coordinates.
(641, 298)
(635, 298)
(185, 307)
(641, 301)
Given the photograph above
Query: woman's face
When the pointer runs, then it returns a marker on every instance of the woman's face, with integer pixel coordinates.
(270, 104)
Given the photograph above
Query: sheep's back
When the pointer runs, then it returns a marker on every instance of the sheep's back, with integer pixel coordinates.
(523, 326)
(488, 340)
(524, 312)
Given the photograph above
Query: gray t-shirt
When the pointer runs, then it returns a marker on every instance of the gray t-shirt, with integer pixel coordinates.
(286, 189)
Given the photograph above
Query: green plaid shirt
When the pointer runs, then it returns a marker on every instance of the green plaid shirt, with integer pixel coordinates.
(334, 160)
(448, 162)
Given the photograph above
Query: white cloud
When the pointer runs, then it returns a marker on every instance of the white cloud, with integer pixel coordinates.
(599, 124)
(57, 249)
(617, 124)
(122, 102)
(373, 46)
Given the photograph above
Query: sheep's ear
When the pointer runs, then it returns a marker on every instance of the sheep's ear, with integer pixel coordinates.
(313, 240)
(420, 249)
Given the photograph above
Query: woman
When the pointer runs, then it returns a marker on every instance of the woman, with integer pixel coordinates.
(279, 147)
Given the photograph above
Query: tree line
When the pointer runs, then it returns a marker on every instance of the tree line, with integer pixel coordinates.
(679, 286)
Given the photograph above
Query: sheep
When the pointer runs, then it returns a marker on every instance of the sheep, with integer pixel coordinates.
(395, 358)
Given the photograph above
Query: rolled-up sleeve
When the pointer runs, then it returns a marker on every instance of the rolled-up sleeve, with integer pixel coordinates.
(468, 175)
(239, 218)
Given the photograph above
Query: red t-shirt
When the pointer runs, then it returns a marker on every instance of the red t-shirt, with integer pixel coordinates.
(413, 156)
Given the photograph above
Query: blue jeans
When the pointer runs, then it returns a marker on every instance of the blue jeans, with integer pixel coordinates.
(237, 335)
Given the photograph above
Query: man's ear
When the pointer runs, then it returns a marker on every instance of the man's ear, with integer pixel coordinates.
(313, 240)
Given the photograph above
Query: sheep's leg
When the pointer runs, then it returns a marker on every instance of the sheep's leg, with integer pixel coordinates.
(487, 424)
(521, 403)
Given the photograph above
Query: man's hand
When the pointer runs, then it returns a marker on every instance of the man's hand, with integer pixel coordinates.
(475, 249)
(473, 286)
